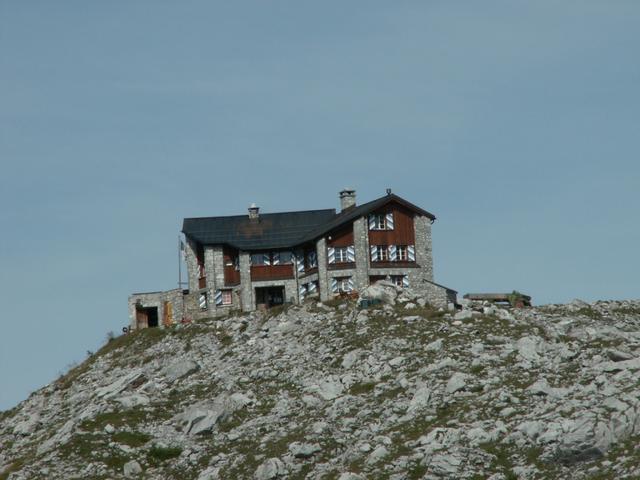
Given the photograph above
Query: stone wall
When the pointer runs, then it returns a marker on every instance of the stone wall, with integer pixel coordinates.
(157, 299)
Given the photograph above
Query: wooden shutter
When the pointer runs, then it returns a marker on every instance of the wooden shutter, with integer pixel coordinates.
(350, 285)
(374, 253)
(218, 297)
(411, 253)
(331, 255)
(372, 221)
(313, 259)
(351, 253)
(312, 287)
(266, 259)
(302, 291)
(334, 285)
(393, 255)
(389, 219)
(276, 258)
(405, 281)
(202, 301)
(300, 261)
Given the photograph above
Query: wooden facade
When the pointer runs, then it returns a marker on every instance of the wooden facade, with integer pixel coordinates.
(403, 232)
(272, 272)
(343, 237)
(231, 266)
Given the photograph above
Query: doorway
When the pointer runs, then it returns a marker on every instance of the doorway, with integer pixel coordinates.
(267, 297)
(147, 317)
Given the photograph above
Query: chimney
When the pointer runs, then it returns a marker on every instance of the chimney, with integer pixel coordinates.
(347, 199)
(254, 212)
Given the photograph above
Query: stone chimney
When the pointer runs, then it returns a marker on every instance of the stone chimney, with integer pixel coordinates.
(254, 211)
(347, 199)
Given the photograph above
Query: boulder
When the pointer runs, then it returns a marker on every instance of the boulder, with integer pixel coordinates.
(382, 290)
(420, 399)
(304, 450)
(131, 469)
(458, 381)
(179, 369)
(270, 469)
(203, 417)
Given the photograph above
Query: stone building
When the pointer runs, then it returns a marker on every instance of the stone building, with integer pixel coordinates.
(258, 260)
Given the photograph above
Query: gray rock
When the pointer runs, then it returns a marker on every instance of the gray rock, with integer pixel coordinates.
(618, 356)
(203, 417)
(420, 399)
(131, 469)
(434, 346)
(270, 469)
(457, 382)
(350, 358)
(177, 370)
(350, 476)
(378, 454)
(382, 290)
(304, 450)
(463, 315)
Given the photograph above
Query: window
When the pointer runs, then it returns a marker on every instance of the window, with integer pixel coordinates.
(259, 259)
(312, 260)
(400, 280)
(227, 298)
(281, 258)
(341, 254)
(379, 222)
(401, 253)
(344, 284)
(272, 258)
(383, 253)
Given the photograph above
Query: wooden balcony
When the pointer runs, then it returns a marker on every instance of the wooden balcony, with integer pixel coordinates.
(231, 276)
(271, 272)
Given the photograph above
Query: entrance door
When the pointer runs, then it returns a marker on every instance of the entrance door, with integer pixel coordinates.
(267, 297)
(147, 317)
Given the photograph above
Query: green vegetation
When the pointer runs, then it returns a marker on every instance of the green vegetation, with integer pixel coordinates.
(133, 439)
(88, 446)
(362, 388)
(16, 466)
(162, 454)
(589, 312)
(125, 418)
(142, 339)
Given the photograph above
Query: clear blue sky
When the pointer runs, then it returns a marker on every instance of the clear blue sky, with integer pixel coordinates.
(516, 123)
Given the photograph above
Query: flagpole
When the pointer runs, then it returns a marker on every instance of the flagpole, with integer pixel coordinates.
(179, 262)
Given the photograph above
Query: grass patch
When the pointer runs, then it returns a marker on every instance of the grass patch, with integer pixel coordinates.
(133, 439)
(94, 448)
(162, 454)
(362, 388)
(141, 338)
(589, 312)
(14, 467)
(125, 418)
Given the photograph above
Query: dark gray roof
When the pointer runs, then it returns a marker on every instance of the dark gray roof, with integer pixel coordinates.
(270, 230)
(281, 230)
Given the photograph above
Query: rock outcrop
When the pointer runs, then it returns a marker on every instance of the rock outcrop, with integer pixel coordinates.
(399, 391)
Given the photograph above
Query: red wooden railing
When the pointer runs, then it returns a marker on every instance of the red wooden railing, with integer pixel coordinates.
(271, 272)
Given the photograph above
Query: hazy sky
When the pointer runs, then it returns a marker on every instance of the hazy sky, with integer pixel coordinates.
(516, 123)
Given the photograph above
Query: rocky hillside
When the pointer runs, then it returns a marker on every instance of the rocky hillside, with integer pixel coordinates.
(396, 391)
